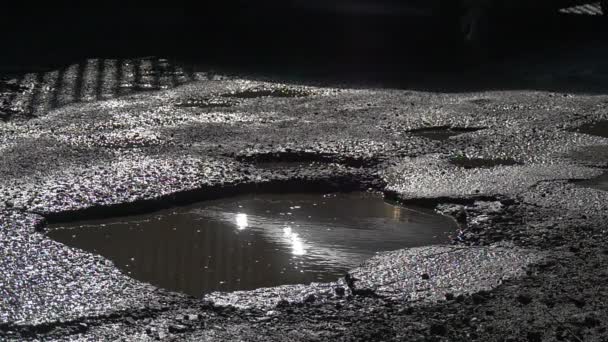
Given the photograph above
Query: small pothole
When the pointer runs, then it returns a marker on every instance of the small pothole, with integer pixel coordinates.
(301, 158)
(599, 183)
(443, 132)
(599, 129)
(205, 103)
(481, 163)
(267, 92)
(256, 240)
(481, 102)
(279, 165)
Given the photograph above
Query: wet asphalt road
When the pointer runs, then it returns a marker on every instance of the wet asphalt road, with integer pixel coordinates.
(114, 136)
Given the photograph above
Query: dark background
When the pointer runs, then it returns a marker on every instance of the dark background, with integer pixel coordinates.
(227, 30)
(258, 35)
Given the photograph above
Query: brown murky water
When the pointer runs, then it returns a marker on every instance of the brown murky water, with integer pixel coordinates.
(254, 241)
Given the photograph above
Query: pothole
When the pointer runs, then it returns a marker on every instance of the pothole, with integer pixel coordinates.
(291, 157)
(481, 102)
(267, 92)
(481, 163)
(443, 132)
(599, 183)
(205, 103)
(257, 240)
(599, 129)
(278, 165)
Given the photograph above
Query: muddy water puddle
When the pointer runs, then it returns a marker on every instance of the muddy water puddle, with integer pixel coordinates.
(254, 241)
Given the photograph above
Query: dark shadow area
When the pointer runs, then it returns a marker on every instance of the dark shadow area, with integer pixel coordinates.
(564, 52)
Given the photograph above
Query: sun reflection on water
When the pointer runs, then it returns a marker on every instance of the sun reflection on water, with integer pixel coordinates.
(241, 221)
(297, 245)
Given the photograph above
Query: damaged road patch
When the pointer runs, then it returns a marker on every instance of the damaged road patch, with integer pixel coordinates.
(103, 150)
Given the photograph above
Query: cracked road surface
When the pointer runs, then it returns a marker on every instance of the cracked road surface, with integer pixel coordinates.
(108, 137)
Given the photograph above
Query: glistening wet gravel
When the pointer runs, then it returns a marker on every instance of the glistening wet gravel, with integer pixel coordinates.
(254, 241)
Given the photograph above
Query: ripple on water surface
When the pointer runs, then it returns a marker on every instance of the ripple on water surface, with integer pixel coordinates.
(253, 241)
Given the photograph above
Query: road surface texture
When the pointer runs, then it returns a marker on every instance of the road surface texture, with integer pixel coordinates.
(494, 146)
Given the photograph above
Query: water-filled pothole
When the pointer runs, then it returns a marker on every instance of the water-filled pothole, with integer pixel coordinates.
(482, 163)
(599, 183)
(253, 241)
(443, 132)
(599, 129)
